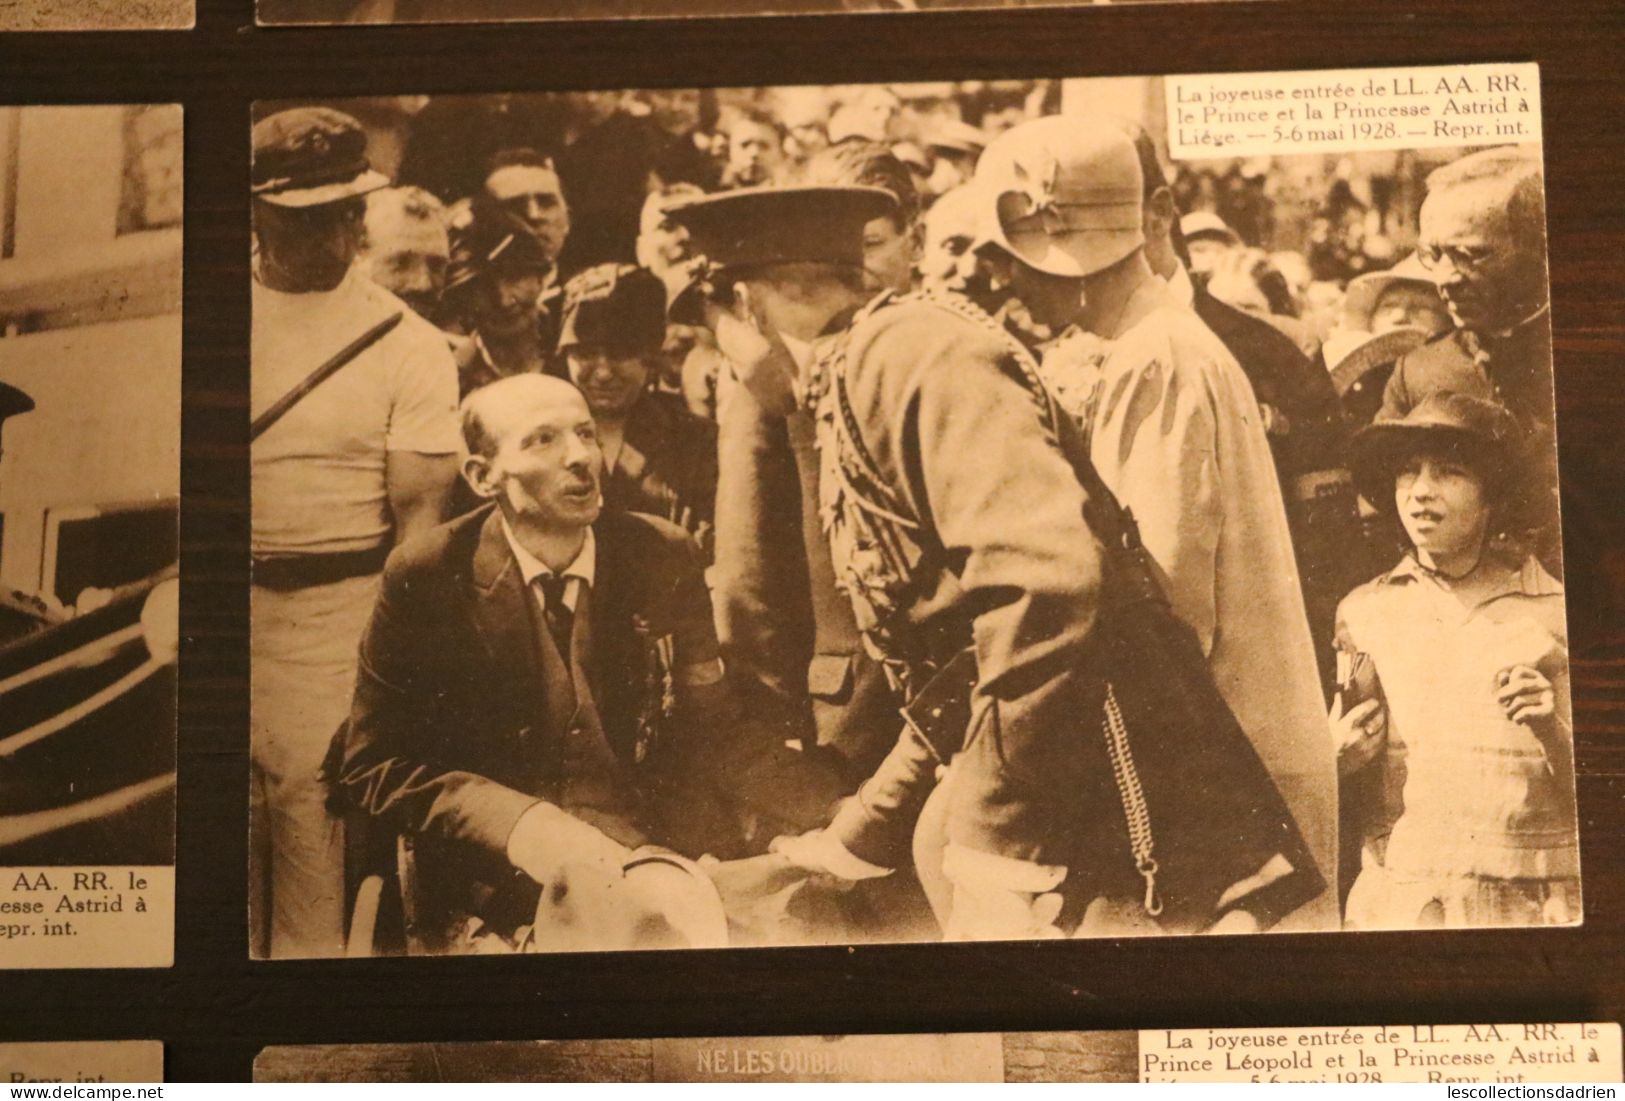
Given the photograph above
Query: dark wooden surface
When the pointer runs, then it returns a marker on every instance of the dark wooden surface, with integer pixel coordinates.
(215, 1009)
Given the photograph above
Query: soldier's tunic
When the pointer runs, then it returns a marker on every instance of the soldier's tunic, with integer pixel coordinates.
(983, 545)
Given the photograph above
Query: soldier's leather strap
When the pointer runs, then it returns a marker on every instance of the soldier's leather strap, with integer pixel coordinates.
(940, 711)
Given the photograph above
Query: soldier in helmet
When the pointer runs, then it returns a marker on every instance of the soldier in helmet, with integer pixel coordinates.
(789, 629)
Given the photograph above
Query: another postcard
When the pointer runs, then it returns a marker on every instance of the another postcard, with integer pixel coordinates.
(90, 373)
(294, 12)
(1364, 1054)
(819, 515)
(82, 1062)
(97, 15)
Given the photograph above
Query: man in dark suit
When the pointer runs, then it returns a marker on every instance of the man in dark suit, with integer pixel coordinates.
(540, 693)
(1482, 234)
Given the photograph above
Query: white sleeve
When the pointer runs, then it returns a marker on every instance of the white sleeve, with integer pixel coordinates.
(423, 406)
(1155, 444)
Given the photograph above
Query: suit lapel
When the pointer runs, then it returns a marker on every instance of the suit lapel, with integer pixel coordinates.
(604, 624)
(606, 645)
(503, 613)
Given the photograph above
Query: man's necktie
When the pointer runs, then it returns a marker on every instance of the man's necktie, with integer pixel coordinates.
(557, 613)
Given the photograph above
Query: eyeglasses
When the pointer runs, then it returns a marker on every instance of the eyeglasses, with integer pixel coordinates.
(1465, 259)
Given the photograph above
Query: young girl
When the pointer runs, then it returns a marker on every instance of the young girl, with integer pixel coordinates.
(1455, 689)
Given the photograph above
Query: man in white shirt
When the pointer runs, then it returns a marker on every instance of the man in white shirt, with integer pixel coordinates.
(364, 459)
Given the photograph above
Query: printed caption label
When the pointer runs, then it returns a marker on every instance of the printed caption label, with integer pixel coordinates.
(1384, 1053)
(87, 916)
(1347, 110)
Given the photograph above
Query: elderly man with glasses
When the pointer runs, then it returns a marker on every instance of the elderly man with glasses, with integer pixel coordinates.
(1483, 240)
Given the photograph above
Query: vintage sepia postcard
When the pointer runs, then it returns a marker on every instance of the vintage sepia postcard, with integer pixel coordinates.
(81, 1062)
(1366, 1054)
(274, 12)
(874, 513)
(90, 373)
(97, 15)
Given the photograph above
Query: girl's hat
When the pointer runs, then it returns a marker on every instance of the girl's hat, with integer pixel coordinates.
(619, 306)
(1481, 432)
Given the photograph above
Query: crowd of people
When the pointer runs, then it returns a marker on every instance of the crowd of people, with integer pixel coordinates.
(741, 471)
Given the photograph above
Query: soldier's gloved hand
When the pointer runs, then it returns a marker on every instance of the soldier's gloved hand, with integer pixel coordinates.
(821, 851)
(1000, 898)
(549, 845)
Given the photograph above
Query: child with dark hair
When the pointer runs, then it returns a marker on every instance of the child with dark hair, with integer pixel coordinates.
(1454, 688)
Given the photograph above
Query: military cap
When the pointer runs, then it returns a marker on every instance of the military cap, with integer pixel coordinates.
(616, 305)
(758, 227)
(666, 901)
(311, 156)
(487, 238)
(1481, 432)
(1063, 195)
